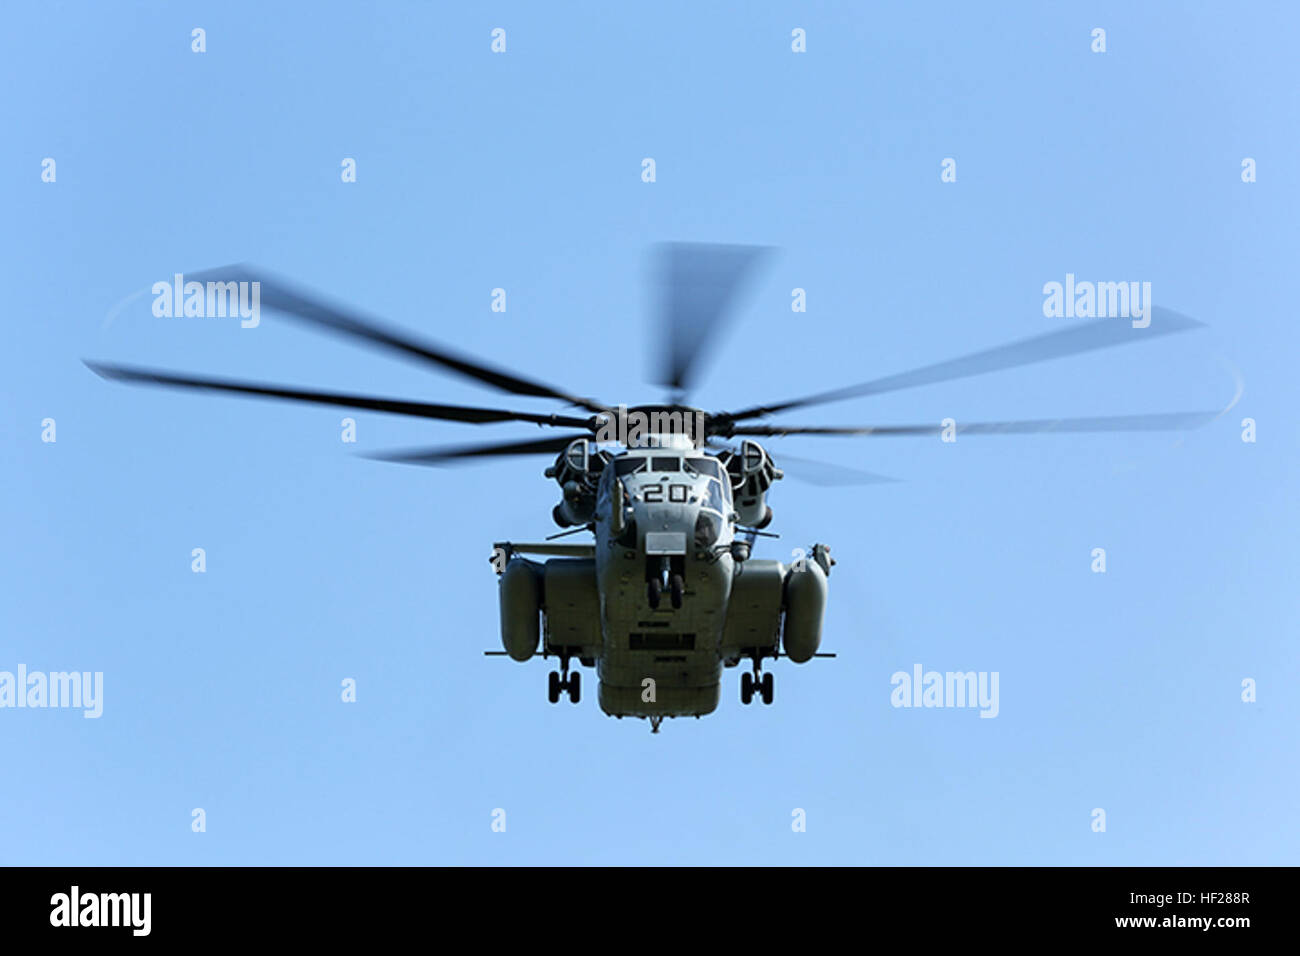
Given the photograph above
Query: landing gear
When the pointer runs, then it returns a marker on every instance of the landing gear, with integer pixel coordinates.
(655, 722)
(757, 681)
(665, 574)
(566, 683)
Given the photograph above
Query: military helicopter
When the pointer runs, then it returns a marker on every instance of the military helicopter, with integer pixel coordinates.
(667, 594)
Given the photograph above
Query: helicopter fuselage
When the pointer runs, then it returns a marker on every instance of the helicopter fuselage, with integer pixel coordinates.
(675, 532)
(667, 596)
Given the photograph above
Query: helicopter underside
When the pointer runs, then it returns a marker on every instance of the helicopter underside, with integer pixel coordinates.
(662, 661)
(664, 658)
(665, 661)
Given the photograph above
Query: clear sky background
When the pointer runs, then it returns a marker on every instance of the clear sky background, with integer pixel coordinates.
(222, 690)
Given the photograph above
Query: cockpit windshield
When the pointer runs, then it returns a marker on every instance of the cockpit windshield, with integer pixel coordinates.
(718, 495)
(713, 493)
(704, 466)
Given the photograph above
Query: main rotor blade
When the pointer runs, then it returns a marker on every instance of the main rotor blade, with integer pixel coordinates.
(698, 286)
(1161, 421)
(1086, 337)
(278, 294)
(828, 474)
(822, 473)
(443, 454)
(451, 413)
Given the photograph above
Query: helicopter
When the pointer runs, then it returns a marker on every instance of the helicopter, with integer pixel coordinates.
(667, 594)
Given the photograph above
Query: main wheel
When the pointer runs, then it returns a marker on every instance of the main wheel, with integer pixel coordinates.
(746, 687)
(766, 688)
(575, 686)
(652, 591)
(553, 688)
(678, 588)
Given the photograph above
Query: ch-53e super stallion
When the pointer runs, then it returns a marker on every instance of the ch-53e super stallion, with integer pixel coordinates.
(667, 594)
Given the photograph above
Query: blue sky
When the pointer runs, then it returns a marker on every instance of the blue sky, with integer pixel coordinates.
(522, 171)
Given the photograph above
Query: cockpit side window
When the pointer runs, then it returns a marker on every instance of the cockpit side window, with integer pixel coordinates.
(713, 497)
(627, 466)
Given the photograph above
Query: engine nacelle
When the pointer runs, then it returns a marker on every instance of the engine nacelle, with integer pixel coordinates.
(577, 472)
(805, 603)
(752, 473)
(520, 593)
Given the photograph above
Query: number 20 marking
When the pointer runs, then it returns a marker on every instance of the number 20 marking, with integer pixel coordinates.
(677, 494)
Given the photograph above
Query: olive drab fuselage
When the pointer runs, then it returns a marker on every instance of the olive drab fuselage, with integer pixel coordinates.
(674, 521)
(668, 595)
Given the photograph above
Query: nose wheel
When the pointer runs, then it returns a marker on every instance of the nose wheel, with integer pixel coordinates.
(570, 684)
(756, 681)
(654, 588)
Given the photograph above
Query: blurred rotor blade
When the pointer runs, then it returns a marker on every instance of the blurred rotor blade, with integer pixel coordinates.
(828, 474)
(278, 294)
(444, 454)
(1086, 337)
(822, 473)
(698, 285)
(1160, 421)
(450, 413)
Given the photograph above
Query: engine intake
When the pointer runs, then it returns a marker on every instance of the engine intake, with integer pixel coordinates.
(752, 473)
(577, 472)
